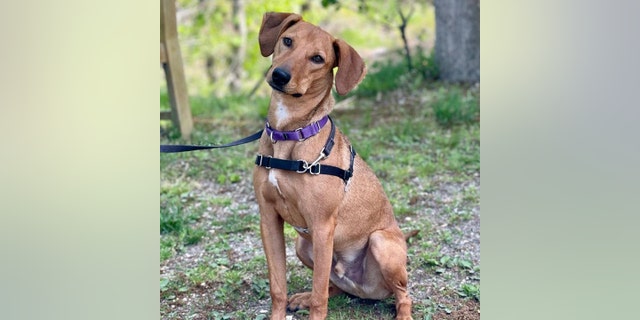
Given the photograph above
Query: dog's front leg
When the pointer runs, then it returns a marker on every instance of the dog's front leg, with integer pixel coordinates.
(272, 233)
(322, 256)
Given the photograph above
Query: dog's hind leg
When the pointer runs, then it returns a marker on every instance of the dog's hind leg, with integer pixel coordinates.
(389, 250)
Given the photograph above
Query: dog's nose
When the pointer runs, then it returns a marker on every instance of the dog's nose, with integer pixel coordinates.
(280, 77)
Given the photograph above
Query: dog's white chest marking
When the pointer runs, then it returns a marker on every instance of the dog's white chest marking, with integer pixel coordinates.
(274, 180)
(282, 113)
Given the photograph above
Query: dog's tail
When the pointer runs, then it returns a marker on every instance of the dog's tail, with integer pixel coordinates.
(410, 234)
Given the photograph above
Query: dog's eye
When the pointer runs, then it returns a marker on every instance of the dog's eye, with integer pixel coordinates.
(287, 41)
(317, 59)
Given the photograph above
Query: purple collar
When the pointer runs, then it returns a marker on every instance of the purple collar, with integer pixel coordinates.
(299, 134)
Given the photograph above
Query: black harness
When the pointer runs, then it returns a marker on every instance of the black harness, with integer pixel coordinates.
(314, 168)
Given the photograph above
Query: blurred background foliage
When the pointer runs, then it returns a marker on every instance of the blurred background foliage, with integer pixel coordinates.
(222, 59)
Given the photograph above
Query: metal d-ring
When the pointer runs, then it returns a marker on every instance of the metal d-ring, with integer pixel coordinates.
(305, 166)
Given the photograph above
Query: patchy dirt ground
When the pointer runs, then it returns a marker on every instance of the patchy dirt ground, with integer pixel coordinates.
(433, 287)
(469, 311)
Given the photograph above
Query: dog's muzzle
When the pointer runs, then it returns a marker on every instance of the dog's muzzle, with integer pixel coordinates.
(279, 79)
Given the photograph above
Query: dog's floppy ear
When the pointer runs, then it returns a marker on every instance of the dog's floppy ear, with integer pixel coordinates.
(273, 24)
(351, 68)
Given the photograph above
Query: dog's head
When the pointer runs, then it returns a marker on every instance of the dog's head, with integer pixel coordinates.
(304, 57)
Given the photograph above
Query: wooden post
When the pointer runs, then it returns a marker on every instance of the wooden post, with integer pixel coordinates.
(171, 60)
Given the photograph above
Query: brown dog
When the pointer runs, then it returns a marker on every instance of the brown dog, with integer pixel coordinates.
(308, 176)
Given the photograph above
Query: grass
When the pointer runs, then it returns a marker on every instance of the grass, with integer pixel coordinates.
(425, 152)
(379, 81)
(470, 290)
(388, 75)
(453, 107)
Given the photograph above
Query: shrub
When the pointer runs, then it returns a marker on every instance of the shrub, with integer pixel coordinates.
(452, 108)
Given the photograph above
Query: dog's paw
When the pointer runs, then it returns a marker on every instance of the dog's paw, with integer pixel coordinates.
(299, 301)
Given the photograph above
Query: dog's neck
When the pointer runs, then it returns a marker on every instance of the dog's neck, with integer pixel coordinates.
(287, 113)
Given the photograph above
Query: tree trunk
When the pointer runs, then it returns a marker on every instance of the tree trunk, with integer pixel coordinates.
(240, 49)
(457, 47)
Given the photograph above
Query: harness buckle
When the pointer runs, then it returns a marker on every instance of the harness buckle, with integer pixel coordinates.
(317, 172)
(261, 164)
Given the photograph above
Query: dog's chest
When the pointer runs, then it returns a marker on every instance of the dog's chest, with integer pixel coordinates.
(279, 189)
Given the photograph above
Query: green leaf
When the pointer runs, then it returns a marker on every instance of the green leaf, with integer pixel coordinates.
(164, 282)
(465, 264)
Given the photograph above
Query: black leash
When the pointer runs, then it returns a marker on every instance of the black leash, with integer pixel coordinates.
(173, 148)
(268, 162)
